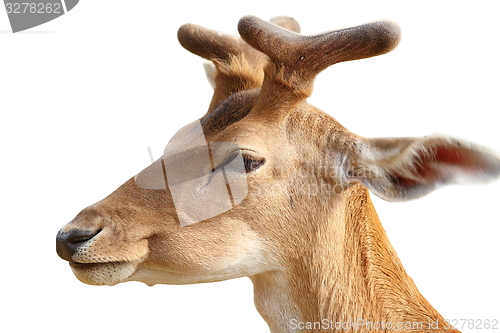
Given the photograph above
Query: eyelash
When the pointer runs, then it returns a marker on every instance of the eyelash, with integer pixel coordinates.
(250, 164)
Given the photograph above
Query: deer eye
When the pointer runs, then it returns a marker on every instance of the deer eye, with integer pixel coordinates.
(251, 164)
(239, 163)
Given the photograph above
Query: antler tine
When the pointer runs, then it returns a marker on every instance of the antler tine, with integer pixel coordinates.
(286, 22)
(210, 44)
(297, 59)
(239, 66)
(216, 46)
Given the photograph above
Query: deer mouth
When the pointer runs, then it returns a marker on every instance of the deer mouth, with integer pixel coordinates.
(107, 273)
(80, 265)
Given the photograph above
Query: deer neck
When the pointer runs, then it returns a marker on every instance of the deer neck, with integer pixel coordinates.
(350, 275)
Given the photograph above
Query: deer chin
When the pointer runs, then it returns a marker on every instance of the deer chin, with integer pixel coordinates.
(110, 273)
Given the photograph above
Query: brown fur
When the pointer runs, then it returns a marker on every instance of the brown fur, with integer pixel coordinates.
(307, 234)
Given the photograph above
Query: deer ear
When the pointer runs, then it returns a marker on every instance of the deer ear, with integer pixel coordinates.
(210, 72)
(408, 168)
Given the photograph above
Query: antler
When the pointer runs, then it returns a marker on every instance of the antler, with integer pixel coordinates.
(295, 59)
(239, 66)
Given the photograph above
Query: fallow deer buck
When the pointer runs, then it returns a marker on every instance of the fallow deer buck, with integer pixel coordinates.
(267, 186)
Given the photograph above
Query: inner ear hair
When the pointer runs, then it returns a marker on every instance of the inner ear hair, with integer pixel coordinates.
(408, 168)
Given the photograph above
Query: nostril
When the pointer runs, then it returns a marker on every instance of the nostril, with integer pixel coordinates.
(67, 243)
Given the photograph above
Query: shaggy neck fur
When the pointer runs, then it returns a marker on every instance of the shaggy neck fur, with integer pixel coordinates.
(350, 280)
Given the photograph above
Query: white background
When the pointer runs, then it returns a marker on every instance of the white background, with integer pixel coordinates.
(83, 96)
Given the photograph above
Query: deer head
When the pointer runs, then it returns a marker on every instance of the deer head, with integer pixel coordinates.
(267, 186)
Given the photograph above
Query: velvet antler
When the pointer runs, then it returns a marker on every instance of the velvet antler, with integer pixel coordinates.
(239, 66)
(295, 59)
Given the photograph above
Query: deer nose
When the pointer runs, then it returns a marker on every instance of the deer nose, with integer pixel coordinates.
(67, 243)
